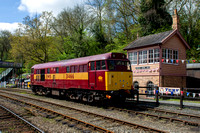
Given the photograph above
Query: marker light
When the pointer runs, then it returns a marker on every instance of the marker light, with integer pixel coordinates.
(108, 96)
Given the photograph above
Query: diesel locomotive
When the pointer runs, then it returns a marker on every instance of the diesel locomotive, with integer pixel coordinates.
(92, 78)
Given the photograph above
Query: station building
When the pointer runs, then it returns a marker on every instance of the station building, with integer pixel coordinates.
(159, 59)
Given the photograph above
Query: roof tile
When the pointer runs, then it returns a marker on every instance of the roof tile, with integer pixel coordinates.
(149, 40)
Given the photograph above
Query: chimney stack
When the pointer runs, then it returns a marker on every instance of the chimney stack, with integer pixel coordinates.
(175, 24)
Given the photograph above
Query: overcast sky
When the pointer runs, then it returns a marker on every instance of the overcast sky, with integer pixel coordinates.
(12, 12)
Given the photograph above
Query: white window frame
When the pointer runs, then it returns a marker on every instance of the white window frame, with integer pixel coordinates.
(152, 59)
(166, 56)
(158, 53)
(134, 58)
(141, 57)
(130, 57)
(176, 56)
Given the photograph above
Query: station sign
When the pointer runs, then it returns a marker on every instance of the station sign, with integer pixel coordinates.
(169, 90)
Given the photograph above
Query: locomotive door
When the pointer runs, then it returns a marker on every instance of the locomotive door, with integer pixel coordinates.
(54, 82)
(92, 75)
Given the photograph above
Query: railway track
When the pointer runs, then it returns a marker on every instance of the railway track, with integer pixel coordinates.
(28, 91)
(160, 116)
(38, 110)
(11, 122)
(91, 116)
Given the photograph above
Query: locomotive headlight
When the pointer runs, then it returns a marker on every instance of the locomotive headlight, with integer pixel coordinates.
(108, 96)
(122, 85)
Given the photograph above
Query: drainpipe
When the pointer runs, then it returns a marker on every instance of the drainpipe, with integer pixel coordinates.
(160, 64)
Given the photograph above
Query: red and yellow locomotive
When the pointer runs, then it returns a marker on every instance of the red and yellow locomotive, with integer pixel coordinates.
(98, 77)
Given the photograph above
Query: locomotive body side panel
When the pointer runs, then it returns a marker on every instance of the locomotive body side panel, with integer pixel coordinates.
(63, 80)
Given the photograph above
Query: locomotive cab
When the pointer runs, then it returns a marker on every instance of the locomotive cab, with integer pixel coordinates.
(114, 76)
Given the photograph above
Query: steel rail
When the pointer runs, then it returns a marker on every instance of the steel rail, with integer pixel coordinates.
(136, 126)
(159, 117)
(170, 112)
(22, 119)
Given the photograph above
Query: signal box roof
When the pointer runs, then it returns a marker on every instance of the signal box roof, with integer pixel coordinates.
(80, 61)
(155, 39)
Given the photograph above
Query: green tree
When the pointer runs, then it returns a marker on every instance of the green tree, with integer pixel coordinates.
(154, 16)
(126, 18)
(33, 40)
(97, 8)
(71, 26)
(4, 44)
(188, 11)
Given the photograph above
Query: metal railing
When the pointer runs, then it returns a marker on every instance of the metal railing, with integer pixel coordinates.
(182, 96)
(5, 73)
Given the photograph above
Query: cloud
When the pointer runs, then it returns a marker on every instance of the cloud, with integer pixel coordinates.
(38, 6)
(56, 6)
(9, 26)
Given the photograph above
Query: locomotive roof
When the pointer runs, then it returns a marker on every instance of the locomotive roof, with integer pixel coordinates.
(78, 61)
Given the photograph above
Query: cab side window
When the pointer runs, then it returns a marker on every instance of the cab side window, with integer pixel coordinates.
(98, 65)
(92, 67)
(103, 65)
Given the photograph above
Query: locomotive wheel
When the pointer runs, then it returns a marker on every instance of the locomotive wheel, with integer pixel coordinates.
(72, 97)
(46, 92)
(90, 98)
(40, 91)
(85, 98)
(37, 90)
(62, 94)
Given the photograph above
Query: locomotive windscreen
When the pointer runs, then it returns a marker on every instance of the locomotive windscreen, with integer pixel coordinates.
(118, 65)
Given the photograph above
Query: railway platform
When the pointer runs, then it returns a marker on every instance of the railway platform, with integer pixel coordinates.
(190, 104)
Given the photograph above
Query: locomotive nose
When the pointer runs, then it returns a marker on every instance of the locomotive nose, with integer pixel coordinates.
(118, 81)
(122, 80)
